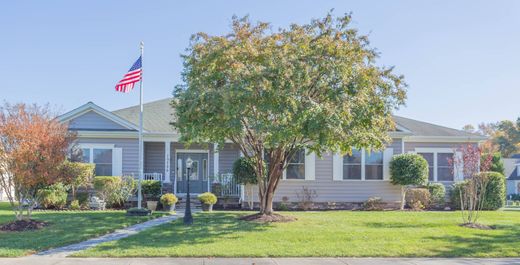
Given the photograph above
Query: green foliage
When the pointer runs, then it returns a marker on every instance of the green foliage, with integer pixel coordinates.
(408, 169)
(138, 211)
(168, 199)
(82, 198)
(508, 137)
(207, 198)
(495, 191)
(244, 171)
(114, 190)
(437, 193)
(76, 174)
(74, 205)
(418, 198)
(151, 189)
(315, 86)
(53, 196)
(497, 164)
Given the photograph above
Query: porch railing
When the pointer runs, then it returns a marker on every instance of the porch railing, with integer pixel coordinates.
(224, 185)
(153, 176)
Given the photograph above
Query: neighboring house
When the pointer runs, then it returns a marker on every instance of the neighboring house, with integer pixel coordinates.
(109, 139)
(512, 173)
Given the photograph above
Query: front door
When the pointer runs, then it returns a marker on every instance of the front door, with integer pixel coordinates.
(198, 174)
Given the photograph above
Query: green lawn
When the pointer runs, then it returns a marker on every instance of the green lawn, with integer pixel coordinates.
(335, 233)
(65, 227)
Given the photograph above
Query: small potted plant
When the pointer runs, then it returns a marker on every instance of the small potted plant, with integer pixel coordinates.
(207, 199)
(168, 201)
(151, 191)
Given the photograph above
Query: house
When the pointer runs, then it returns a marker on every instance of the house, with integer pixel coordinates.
(110, 140)
(512, 173)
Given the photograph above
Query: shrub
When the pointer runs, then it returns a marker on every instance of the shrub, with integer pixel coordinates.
(244, 172)
(114, 190)
(418, 198)
(53, 196)
(138, 212)
(408, 169)
(437, 194)
(151, 189)
(306, 198)
(82, 198)
(74, 205)
(514, 197)
(208, 198)
(497, 165)
(373, 204)
(168, 199)
(494, 197)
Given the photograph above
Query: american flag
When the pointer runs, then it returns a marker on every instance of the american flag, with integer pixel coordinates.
(133, 76)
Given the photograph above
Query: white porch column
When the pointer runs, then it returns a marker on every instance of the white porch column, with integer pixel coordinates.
(167, 170)
(215, 160)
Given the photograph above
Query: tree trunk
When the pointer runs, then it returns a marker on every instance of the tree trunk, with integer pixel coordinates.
(403, 197)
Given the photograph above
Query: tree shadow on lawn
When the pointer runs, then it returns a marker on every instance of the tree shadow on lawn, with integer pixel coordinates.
(401, 225)
(481, 243)
(207, 228)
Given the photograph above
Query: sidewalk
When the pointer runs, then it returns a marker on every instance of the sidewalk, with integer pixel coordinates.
(256, 261)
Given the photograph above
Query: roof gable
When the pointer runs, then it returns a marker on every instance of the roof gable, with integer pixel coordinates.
(92, 117)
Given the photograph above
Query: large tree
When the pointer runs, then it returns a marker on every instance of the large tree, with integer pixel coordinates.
(33, 145)
(314, 86)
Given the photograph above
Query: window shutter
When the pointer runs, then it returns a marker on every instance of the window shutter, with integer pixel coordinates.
(337, 166)
(117, 162)
(458, 167)
(310, 166)
(387, 156)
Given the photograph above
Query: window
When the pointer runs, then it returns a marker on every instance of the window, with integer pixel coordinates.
(444, 167)
(296, 166)
(85, 155)
(194, 170)
(429, 158)
(103, 160)
(352, 165)
(374, 165)
(204, 169)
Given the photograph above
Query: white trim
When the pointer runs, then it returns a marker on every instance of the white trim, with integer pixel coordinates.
(100, 146)
(388, 153)
(167, 166)
(216, 158)
(90, 106)
(337, 167)
(518, 170)
(117, 161)
(192, 151)
(435, 151)
(310, 166)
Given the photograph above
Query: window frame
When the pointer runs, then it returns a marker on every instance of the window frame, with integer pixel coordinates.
(91, 148)
(289, 163)
(435, 152)
(361, 165)
(366, 164)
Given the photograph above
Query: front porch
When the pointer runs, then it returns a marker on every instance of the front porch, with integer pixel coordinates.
(165, 162)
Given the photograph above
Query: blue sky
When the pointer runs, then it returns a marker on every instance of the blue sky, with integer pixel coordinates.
(460, 58)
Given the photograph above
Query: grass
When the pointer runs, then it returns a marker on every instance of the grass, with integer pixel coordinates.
(331, 234)
(66, 227)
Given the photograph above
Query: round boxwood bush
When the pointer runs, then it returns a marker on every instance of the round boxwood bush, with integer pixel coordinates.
(244, 172)
(208, 198)
(53, 196)
(408, 169)
(495, 196)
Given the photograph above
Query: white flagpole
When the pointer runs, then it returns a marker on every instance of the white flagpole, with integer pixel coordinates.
(139, 196)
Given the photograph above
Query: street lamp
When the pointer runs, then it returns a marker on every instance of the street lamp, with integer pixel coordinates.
(188, 219)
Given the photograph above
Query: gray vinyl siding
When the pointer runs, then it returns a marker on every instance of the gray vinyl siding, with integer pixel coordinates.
(227, 156)
(93, 121)
(130, 152)
(154, 157)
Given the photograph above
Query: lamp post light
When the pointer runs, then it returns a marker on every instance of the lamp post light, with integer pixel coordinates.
(188, 218)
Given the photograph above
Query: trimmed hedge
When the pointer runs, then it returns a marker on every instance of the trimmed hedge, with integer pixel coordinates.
(495, 197)
(408, 169)
(437, 194)
(418, 198)
(53, 196)
(151, 189)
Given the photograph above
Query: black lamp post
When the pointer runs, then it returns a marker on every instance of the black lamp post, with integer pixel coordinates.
(188, 218)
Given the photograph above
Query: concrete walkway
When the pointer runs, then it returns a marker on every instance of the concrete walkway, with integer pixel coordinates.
(255, 261)
(65, 251)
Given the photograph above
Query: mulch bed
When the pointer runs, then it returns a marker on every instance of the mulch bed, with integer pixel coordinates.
(264, 218)
(478, 226)
(24, 225)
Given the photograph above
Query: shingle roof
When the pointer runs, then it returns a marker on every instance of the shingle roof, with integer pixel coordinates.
(158, 115)
(420, 128)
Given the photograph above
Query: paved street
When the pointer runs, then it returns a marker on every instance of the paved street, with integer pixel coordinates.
(254, 261)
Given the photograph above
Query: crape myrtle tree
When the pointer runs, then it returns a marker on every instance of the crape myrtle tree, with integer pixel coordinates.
(33, 146)
(314, 86)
